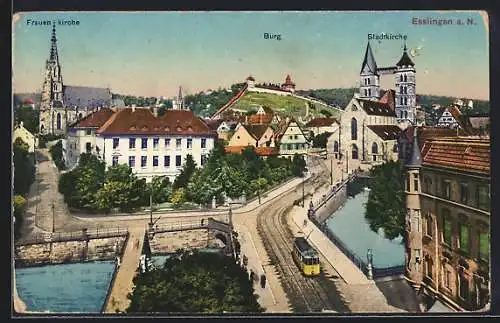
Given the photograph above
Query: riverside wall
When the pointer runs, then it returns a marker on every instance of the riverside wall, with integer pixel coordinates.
(50, 253)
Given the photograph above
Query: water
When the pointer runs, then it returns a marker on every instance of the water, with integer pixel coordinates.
(350, 226)
(66, 288)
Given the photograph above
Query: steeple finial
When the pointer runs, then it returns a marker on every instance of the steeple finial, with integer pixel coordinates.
(53, 44)
(404, 48)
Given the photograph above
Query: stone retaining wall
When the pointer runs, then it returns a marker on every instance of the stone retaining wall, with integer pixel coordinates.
(332, 205)
(69, 251)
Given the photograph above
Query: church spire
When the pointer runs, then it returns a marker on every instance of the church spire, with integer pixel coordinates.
(180, 98)
(369, 65)
(53, 45)
(415, 160)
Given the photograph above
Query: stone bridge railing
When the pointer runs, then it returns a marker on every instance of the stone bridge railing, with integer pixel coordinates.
(193, 225)
(73, 236)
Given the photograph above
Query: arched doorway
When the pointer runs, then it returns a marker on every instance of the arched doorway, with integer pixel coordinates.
(58, 121)
(354, 129)
(374, 151)
(354, 152)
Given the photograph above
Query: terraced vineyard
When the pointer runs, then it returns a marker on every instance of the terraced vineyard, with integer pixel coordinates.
(287, 105)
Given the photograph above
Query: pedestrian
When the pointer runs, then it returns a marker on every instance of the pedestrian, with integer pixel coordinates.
(245, 260)
(263, 281)
(251, 276)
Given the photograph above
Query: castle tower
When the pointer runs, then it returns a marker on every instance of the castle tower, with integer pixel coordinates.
(369, 77)
(406, 97)
(288, 85)
(414, 263)
(52, 112)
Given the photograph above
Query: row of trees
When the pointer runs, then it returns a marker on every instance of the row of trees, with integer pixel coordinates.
(89, 186)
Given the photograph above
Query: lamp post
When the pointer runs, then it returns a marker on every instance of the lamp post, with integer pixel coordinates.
(331, 170)
(53, 217)
(303, 192)
(369, 257)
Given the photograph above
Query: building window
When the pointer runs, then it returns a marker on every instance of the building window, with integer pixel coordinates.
(428, 225)
(484, 246)
(178, 143)
(131, 161)
(447, 227)
(406, 112)
(416, 222)
(369, 92)
(166, 161)
(131, 143)
(428, 267)
(405, 79)
(88, 132)
(203, 143)
(144, 143)
(336, 146)
(58, 121)
(202, 161)
(427, 184)
(354, 153)
(406, 103)
(156, 142)
(115, 160)
(167, 143)
(88, 147)
(405, 92)
(366, 92)
(464, 193)
(483, 197)
(374, 149)
(447, 277)
(400, 78)
(178, 161)
(354, 129)
(464, 287)
(144, 161)
(408, 182)
(401, 89)
(395, 148)
(155, 161)
(445, 189)
(417, 260)
(289, 146)
(116, 142)
(415, 182)
(464, 237)
(189, 143)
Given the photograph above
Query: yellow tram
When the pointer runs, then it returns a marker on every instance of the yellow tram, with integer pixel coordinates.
(306, 257)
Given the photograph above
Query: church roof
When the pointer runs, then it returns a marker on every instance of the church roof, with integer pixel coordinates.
(369, 65)
(386, 132)
(415, 159)
(375, 108)
(86, 97)
(405, 60)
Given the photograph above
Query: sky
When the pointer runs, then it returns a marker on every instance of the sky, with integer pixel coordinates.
(153, 53)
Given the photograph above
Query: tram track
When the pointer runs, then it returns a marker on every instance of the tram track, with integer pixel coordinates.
(306, 294)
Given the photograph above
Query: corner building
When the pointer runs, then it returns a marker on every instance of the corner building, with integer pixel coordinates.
(448, 224)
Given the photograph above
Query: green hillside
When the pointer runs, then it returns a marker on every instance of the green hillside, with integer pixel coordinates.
(284, 105)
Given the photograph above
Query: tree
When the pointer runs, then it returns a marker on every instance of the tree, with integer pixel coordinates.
(161, 189)
(386, 208)
(24, 170)
(298, 165)
(194, 283)
(321, 139)
(56, 151)
(29, 117)
(258, 185)
(182, 180)
(178, 197)
(19, 206)
(326, 113)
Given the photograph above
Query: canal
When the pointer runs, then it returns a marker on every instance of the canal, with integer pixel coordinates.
(349, 225)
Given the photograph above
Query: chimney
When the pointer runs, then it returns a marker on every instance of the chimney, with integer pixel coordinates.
(246, 119)
(133, 107)
(155, 111)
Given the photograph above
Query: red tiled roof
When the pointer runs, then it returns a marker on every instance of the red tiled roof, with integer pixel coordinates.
(389, 98)
(260, 118)
(478, 122)
(95, 119)
(142, 121)
(321, 122)
(460, 153)
(261, 151)
(425, 133)
(288, 80)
